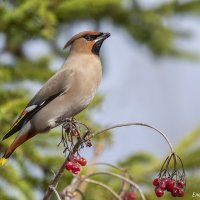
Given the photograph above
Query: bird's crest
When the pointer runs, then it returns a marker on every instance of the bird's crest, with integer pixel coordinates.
(79, 35)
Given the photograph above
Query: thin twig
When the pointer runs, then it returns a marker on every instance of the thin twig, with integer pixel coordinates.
(56, 193)
(109, 165)
(134, 124)
(104, 186)
(123, 184)
(124, 172)
(117, 176)
(81, 194)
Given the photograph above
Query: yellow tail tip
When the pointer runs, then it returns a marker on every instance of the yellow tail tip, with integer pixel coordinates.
(2, 161)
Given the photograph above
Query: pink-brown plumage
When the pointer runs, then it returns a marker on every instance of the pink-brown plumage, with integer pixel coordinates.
(66, 93)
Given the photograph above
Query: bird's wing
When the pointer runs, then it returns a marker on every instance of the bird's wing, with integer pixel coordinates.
(54, 87)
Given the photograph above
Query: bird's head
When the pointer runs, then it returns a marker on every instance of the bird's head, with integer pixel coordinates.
(87, 42)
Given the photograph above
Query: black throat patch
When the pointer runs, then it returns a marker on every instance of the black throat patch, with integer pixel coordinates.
(97, 46)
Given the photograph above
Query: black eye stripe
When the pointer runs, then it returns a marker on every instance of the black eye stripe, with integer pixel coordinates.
(92, 37)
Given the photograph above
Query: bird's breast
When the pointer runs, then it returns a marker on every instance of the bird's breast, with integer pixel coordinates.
(87, 78)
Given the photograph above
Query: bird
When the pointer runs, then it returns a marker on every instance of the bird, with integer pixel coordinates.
(68, 92)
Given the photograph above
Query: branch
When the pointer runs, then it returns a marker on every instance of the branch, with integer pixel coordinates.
(55, 191)
(104, 186)
(81, 194)
(124, 172)
(117, 176)
(59, 174)
(134, 124)
(109, 165)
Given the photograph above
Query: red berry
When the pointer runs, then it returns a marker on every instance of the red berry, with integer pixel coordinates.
(131, 196)
(74, 159)
(170, 185)
(156, 182)
(75, 132)
(181, 184)
(163, 184)
(175, 191)
(75, 172)
(76, 169)
(82, 161)
(180, 193)
(159, 192)
(69, 165)
(165, 180)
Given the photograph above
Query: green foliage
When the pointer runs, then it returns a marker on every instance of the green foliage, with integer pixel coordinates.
(192, 7)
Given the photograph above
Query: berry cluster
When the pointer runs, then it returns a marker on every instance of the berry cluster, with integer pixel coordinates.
(129, 196)
(73, 132)
(75, 163)
(176, 188)
(171, 181)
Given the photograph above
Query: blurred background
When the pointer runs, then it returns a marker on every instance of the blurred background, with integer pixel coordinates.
(151, 75)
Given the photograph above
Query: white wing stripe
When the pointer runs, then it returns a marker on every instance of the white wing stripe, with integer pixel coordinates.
(30, 108)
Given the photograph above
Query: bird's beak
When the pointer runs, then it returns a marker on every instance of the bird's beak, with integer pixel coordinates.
(106, 35)
(103, 36)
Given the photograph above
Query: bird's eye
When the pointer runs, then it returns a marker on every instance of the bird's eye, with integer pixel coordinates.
(88, 37)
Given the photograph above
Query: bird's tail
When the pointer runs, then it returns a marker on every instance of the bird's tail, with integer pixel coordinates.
(20, 139)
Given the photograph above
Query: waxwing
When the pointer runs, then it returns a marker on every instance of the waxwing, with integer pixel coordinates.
(65, 94)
